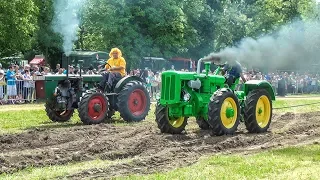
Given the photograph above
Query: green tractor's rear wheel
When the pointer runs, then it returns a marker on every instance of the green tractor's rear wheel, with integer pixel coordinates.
(169, 124)
(57, 116)
(202, 123)
(224, 112)
(133, 102)
(258, 111)
(93, 107)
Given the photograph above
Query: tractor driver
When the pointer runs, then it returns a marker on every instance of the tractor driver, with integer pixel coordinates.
(116, 69)
(232, 70)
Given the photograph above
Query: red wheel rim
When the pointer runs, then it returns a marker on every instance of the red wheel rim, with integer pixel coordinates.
(137, 102)
(97, 107)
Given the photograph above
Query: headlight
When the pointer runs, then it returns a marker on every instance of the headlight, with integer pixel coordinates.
(186, 96)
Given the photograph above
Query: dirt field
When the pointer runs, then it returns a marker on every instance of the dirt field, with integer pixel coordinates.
(149, 150)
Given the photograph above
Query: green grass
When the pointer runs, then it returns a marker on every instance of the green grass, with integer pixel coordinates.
(52, 172)
(293, 102)
(289, 163)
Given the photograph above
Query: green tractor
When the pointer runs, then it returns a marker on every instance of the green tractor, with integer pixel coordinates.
(65, 93)
(216, 106)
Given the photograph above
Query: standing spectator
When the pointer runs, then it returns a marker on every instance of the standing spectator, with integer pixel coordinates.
(149, 81)
(57, 69)
(19, 83)
(27, 85)
(36, 71)
(11, 84)
(61, 70)
(46, 71)
(2, 84)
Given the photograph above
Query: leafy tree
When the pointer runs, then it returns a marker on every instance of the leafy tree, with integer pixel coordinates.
(47, 41)
(18, 24)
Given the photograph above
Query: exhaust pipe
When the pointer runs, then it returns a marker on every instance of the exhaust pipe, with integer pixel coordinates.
(209, 58)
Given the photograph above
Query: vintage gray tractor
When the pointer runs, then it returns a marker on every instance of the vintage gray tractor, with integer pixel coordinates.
(65, 93)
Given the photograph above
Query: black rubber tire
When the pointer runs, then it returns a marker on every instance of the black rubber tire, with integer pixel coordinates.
(55, 115)
(162, 120)
(250, 111)
(123, 101)
(83, 108)
(214, 119)
(203, 124)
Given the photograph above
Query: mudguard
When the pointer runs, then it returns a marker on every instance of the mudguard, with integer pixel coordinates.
(125, 80)
(259, 84)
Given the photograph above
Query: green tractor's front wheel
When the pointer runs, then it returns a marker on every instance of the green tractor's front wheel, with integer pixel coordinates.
(172, 125)
(224, 112)
(258, 111)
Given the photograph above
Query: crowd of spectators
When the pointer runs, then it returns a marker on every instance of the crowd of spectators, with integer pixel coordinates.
(18, 85)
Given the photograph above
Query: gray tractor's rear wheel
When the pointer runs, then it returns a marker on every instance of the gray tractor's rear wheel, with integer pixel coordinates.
(133, 102)
(93, 107)
(258, 111)
(167, 124)
(57, 116)
(224, 112)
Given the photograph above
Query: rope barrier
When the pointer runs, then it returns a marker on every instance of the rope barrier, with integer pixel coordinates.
(300, 105)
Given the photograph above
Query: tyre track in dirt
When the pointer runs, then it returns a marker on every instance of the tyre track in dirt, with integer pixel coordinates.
(151, 151)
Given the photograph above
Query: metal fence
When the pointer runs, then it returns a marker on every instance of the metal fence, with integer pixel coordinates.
(17, 92)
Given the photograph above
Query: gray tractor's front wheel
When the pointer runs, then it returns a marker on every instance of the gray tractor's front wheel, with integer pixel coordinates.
(93, 107)
(57, 116)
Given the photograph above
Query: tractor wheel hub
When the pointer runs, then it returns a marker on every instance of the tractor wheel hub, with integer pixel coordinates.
(229, 112)
(97, 107)
(135, 102)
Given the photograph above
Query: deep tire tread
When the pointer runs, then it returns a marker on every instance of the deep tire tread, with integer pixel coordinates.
(123, 98)
(202, 123)
(250, 108)
(162, 120)
(54, 117)
(83, 108)
(214, 119)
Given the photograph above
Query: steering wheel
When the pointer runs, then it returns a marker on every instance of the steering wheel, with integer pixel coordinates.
(104, 69)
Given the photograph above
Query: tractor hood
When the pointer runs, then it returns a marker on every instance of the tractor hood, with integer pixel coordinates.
(63, 76)
(173, 81)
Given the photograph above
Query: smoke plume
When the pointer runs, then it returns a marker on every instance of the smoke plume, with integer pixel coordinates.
(66, 21)
(296, 44)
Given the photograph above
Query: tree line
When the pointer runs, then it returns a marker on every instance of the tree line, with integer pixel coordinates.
(164, 28)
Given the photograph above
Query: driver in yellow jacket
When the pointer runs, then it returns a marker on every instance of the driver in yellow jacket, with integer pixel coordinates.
(116, 66)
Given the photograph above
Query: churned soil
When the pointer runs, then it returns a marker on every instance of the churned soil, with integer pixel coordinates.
(148, 149)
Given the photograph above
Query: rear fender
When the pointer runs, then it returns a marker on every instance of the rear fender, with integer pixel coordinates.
(124, 81)
(259, 84)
